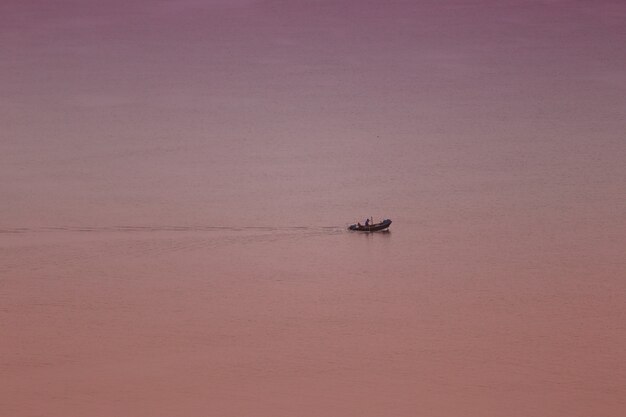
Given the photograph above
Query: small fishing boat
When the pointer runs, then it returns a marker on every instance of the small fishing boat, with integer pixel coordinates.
(376, 227)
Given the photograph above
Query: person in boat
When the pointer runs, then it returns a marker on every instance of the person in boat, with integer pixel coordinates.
(367, 222)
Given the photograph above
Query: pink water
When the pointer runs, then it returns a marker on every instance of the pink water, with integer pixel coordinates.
(176, 179)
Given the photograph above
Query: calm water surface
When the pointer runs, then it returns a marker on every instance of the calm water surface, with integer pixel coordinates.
(176, 180)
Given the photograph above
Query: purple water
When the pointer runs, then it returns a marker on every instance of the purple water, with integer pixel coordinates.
(176, 179)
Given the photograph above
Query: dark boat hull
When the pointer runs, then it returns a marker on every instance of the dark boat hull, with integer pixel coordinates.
(384, 225)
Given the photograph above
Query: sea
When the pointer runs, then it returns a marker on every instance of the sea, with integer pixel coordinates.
(177, 179)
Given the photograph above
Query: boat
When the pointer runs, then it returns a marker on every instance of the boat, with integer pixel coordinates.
(376, 227)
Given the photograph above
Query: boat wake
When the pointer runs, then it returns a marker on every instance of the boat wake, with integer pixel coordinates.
(165, 228)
